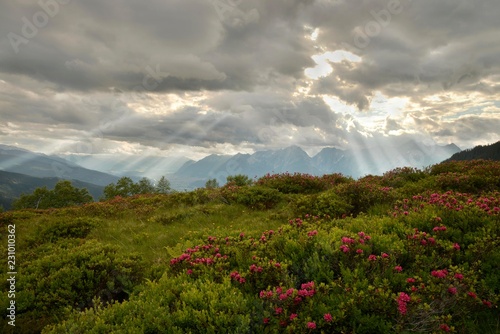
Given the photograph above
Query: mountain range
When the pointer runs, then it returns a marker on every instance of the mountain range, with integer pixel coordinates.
(352, 162)
(18, 160)
(23, 170)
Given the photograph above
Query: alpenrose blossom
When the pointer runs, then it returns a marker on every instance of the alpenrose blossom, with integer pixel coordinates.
(439, 273)
(398, 269)
(311, 325)
(328, 317)
(403, 298)
(487, 303)
(444, 327)
(472, 294)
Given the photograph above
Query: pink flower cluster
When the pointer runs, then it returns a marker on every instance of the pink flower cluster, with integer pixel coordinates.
(451, 200)
(255, 269)
(290, 297)
(312, 233)
(237, 277)
(348, 242)
(439, 273)
(297, 222)
(440, 228)
(422, 238)
(295, 295)
(402, 300)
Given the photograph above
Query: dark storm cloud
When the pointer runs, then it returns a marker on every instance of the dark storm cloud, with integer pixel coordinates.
(96, 45)
(92, 63)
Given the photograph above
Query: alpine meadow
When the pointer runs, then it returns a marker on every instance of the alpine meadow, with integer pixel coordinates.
(409, 251)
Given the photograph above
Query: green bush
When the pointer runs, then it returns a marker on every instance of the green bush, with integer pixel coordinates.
(327, 203)
(365, 193)
(70, 274)
(257, 197)
(75, 228)
(287, 183)
(173, 305)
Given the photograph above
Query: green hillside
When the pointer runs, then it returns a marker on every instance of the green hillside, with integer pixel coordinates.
(409, 251)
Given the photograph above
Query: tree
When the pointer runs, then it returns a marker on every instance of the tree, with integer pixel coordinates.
(63, 194)
(124, 187)
(144, 186)
(163, 186)
(239, 180)
(212, 184)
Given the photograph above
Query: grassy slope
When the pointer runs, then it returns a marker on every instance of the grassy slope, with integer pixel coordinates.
(158, 228)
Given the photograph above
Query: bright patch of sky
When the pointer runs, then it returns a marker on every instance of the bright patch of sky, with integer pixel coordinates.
(323, 67)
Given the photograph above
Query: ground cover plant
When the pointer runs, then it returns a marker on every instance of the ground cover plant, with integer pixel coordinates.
(410, 251)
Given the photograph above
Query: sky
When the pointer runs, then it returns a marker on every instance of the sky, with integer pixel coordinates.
(198, 77)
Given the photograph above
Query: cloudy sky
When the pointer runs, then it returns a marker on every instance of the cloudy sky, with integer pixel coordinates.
(194, 77)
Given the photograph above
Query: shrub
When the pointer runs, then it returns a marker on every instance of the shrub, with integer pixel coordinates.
(173, 305)
(70, 274)
(55, 230)
(257, 197)
(364, 193)
(296, 183)
(327, 203)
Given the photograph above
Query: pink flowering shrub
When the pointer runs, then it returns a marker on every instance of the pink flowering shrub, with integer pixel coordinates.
(426, 262)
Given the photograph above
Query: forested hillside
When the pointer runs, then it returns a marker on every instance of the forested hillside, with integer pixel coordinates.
(487, 152)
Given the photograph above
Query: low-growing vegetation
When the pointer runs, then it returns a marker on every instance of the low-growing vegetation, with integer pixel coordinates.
(410, 251)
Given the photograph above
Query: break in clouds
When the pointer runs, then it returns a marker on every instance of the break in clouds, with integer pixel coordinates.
(224, 76)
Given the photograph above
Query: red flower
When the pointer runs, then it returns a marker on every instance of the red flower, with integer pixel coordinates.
(278, 310)
(385, 255)
(403, 298)
(398, 269)
(359, 251)
(328, 317)
(444, 327)
(311, 325)
(472, 294)
(452, 290)
(487, 303)
(293, 316)
(372, 257)
(410, 280)
(459, 276)
(439, 273)
(456, 246)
